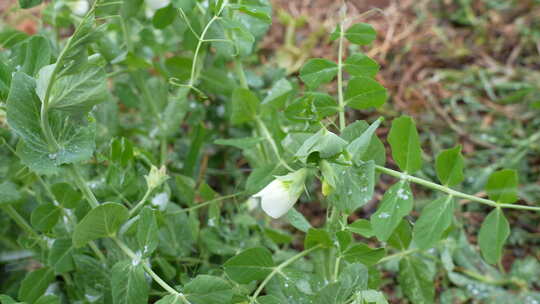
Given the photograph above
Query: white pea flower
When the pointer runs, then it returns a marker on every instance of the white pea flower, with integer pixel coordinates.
(79, 7)
(157, 4)
(278, 197)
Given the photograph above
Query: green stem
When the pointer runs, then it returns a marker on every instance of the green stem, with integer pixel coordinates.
(140, 204)
(22, 223)
(271, 141)
(239, 69)
(278, 269)
(207, 203)
(435, 186)
(342, 121)
(81, 184)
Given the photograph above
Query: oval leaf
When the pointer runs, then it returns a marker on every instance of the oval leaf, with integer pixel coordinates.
(103, 221)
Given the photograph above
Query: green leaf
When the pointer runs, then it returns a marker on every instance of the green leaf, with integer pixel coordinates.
(317, 71)
(359, 64)
(245, 106)
(403, 139)
(251, 264)
(206, 289)
(5, 80)
(164, 17)
(362, 227)
(361, 34)
(102, 221)
(316, 237)
(239, 35)
(402, 235)
(362, 253)
(48, 299)
(312, 106)
(9, 191)
(358, 147)
(77, 93)
(60, 256)
(449, 165)
(29, 3)
(353, 187)
(396, 203)
(171, 299)
(76, 53)
(45, 216)
(253, 10)
(416, 280)
(74, 135)
(128, 283)
(4, 299)
(297, 220)
(502, 186)
(492, 236)
(147, 231)
(32, 54)
(66, 195)
(278, 95)
(326, 143)
(240, 143)
(364, 93)
(376, 150)
(436, 217)
(35, 284)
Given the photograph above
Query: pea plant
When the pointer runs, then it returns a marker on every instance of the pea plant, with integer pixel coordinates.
(148, 156)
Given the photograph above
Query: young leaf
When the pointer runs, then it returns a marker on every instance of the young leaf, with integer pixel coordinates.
(29, 3)
(364, 93)
(245, 106)
(396, 203)
(416, 280)
(278, 95)
(45, 216)
(358, 147)
(78, 93)
(32, 54)
(353, 186)
(403, 139)
(359, 64)
(317, 71)
(147, 231)
(492, 236)
(128, 283)
(35, 284)
(362, 253)
(361, 34)
(376, 150)
(164, 17)
(74, 135)
(66, 195)
(60, 256)
(401, 238)
(297, 220)
(362, 227)
(326, 143)
(449, 165)
(435, 219)
(251, 264)
(240, 143)
(9, 191)
(316, 237)
(206, 289)
(103, 221)
(502, 186)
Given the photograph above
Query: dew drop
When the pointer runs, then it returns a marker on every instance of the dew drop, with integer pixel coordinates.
(384, 215)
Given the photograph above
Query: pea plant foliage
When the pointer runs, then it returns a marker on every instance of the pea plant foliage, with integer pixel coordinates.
(149, 157)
